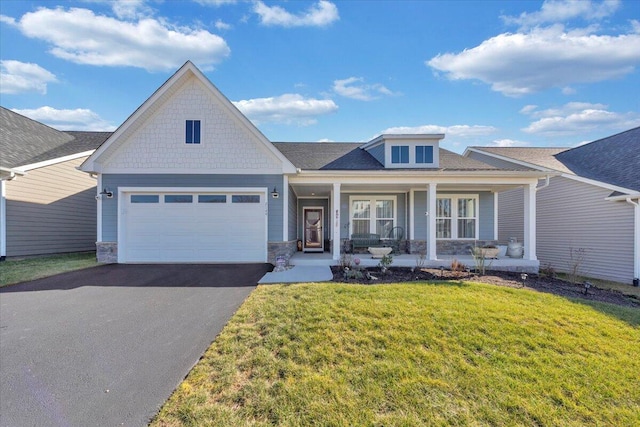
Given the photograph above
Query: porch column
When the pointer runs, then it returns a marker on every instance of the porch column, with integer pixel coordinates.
(530, 221)
(431, 222)
(3, 220)
(335, 221)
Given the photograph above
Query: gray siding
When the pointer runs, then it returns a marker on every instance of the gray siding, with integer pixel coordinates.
(378, 153)
(419, 217)
(485, 215)
(573, 214)
(51, 210)
(114, 181)
(293, 217)
(511, 215)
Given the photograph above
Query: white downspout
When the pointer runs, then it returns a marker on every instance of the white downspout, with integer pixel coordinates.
(636, 239)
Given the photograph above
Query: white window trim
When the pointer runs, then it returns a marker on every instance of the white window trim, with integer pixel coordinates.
(454, 214)
(372, 219)
(412, 155)
(184, 128)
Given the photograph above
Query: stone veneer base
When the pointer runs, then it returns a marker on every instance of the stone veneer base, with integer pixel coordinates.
(284, 249)
(107, 252)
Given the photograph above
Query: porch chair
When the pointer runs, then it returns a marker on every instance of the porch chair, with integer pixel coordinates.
(395, 238)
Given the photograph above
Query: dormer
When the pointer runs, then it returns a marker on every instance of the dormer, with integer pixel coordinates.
(406, 151)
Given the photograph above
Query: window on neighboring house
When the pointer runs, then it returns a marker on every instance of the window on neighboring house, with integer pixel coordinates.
(193, 132)
(400, 154)
(456, 217)
(373, 215)
(424, 154)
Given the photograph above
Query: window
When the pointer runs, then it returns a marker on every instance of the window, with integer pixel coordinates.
(400, 154)
(424, 154)
(193, 132)
(373, 215)
(145, 198)
(178, 198)
(457, 217)
(212, 198)
(245, 199)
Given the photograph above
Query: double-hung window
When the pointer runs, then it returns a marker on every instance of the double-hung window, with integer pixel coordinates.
(457, 217)
(375, 214)
(192, 132)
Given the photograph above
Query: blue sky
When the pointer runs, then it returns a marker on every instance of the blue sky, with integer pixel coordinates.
(516, 73)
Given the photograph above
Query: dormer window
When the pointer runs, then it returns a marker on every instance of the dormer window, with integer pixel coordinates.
(424, 154)
(192, 132)
(400, 154)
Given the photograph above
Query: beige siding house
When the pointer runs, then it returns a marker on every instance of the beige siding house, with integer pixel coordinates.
(47, 205)
(588, 216)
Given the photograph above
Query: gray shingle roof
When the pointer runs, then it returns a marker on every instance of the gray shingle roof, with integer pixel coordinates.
(351, 157)
(613, 160)
(24, 141)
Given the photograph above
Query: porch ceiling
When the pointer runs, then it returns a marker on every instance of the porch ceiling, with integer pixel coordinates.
(324, 190)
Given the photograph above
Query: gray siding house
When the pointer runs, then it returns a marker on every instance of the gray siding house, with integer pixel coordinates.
(46, 204)
(589, 213)
(188, 178)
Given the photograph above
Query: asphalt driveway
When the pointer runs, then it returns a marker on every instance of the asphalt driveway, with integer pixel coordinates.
(106, 346)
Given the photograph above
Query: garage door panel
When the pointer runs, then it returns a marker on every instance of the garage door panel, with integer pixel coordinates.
(194, 232)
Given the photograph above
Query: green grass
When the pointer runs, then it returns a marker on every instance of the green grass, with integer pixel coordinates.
(626, 289)
(414, 354)
(16, 271)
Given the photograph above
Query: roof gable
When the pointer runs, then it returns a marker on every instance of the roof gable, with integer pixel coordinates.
(152, 139)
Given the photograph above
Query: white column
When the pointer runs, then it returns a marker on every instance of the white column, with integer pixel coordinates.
(636, 238)
(530, 221)
(285, 208)
(335, 220)
(431, 222)
(495, 216)
(99, 209)
(411, 234)
(3, 219)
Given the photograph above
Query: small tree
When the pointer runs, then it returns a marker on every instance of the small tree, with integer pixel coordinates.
(576, 259)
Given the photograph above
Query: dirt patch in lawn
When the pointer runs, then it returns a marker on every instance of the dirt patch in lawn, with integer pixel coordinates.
(537, 282)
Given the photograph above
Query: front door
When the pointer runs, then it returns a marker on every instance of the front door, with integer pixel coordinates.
(313, 234)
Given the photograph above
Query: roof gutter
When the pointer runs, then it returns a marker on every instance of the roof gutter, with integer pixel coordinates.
(545, 185)
(7, 174)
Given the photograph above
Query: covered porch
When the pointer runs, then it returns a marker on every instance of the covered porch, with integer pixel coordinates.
(439, 216)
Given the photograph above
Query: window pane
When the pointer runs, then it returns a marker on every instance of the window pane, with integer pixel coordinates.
(466, 228)
(178, 198)
(443, 208)
(145, 198)
(424, 154)
(404, 154)
(360, 226)
(196, 131)
(245, 199)
(212, 198)
(361, 209)
(466, 208)
(395, 154)
(189, 135)
(384, 209)
(383, 227)
(443, 228)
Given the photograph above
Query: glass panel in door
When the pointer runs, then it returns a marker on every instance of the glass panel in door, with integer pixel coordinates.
(313, 232)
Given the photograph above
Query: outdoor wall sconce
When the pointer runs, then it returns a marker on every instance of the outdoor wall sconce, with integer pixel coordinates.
(106, 192)
(274, 193)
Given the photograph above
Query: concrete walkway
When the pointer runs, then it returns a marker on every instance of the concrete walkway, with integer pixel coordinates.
(299, 274)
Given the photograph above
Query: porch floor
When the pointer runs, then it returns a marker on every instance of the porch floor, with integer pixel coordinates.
(409, 260)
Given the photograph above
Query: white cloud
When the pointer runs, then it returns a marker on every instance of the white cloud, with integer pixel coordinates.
(458, 131)
(222, 26)
(216, 3)
(7, 20)
(288, 108)
(519, 64)
(20, 77)
(355, 88)
(131, 9)
(80, 36)
(78, 119)
(320, 14)
(508, 143)
(325, 140)
(578, 118)
(553, 11)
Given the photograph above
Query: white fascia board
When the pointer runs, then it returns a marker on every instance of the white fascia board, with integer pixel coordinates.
(415, 180)
(597, 183)
(191, 171)
(55, 161)
(624, 197)
(403, 136)
(7, 174)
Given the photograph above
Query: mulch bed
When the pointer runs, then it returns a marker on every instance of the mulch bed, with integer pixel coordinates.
(540, 283)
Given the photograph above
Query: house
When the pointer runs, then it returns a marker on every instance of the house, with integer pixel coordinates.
(188, 178)
(46, 205)
(589, 215)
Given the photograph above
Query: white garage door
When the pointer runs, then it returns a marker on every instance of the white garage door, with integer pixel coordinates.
(193, 227)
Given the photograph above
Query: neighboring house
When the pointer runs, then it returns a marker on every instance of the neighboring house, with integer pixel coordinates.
(188, 178)
(46, 204)
(589, 215)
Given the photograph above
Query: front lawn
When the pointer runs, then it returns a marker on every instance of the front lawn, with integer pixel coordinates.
(16, 271)
(415, 354)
